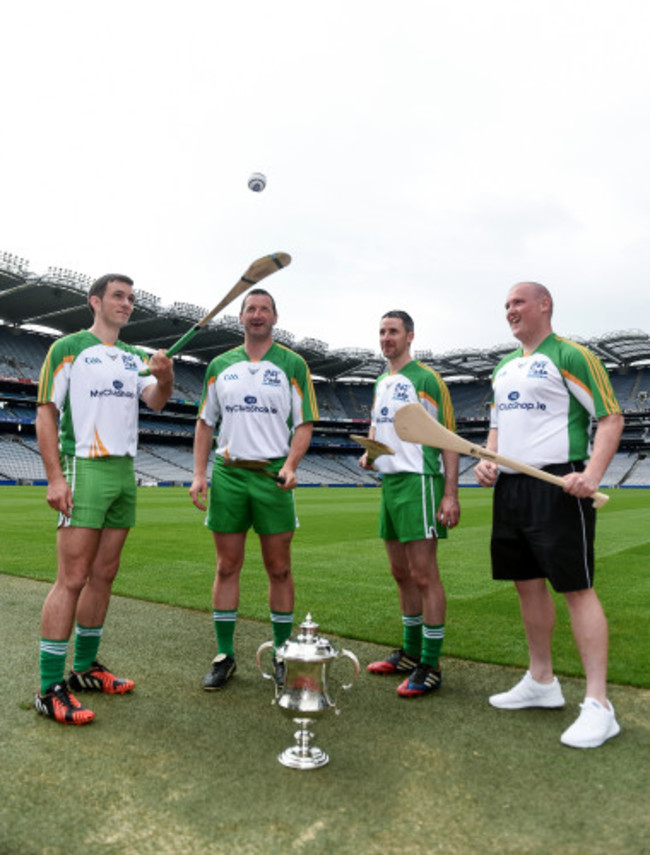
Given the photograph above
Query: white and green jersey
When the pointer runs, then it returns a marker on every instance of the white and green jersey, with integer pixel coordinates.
(96, 388)
(415, 382)
(257, 404)
(543, 402)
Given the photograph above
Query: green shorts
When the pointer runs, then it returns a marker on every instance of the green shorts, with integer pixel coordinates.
(241, 498)
(103, 490)
(409, 503)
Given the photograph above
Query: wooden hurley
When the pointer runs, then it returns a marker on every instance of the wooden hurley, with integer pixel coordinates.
(414, 424)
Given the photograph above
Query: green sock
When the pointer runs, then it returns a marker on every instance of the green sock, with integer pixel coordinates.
(224, 624)
(86, 645)
(412, 635)
(52, 662)
(282, 624)
(432, 638)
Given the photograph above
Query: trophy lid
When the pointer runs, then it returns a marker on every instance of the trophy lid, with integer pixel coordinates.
(307, 645)
(308, 627)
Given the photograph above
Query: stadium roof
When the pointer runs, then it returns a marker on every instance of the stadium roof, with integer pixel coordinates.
(57, 300)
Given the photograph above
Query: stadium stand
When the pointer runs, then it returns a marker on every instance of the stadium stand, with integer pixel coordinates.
(330, 407)
(640, 477)
(356, 400)
(620, 468)
(34, 310)
(471, 400)
(21, 353)
(20, 461)
(188, 380)
(153, 465)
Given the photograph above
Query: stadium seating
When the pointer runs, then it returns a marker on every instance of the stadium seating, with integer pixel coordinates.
(640, 477)
(330, 407)
(188, 380)
(155, 464)
(470, 400)
(334, 470)
(356, 399)
(165, 450)
(21, 353)
(20, 459)
(632, 390)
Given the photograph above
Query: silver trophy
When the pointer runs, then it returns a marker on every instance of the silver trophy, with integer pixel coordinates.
(301, 667)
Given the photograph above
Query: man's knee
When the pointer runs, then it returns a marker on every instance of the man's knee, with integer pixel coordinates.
(278, 568)
(400, 572)
(72, 583)
(228, 566)
(583, 600)
(426, 579)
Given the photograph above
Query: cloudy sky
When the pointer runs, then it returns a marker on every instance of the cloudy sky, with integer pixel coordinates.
(422, 155)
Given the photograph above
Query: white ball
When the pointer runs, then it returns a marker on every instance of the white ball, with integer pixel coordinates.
(257, 182)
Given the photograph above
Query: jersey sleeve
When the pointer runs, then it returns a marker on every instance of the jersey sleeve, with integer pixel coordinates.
(142, 360)
(373, 411)
(209, 408)
(588, 381)
(304, 406)
(54, 376)
(436, 400)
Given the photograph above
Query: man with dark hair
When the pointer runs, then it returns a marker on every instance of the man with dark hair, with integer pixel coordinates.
(263, 399)
(419, 502)
(87, 429)
(99, 286)
(545, 395)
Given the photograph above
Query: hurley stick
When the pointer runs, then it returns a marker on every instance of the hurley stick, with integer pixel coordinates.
(258, 270)
(414, 424)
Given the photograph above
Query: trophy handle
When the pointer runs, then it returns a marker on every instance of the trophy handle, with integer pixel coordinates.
(268, 645)
(355, 662)
(344, 686)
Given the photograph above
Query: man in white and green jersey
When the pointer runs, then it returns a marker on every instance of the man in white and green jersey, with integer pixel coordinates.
(87, 428)
(262, 398)
(546, 394)
(419, 503)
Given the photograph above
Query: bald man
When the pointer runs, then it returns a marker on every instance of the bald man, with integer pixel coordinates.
(545, 395)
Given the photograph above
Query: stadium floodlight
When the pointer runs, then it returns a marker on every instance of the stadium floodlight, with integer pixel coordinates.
(14, 264)
(64, 276)
(283, 336)
(147, 300)
(53, 274)
(227, 322)
(188, 310)
(315, 345)
(356, 352)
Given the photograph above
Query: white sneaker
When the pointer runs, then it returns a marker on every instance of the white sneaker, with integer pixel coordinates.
(594, 725)
(529, 693)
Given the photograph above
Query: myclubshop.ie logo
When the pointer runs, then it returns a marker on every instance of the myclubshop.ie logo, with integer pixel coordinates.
(250, 405)
(117, 391)
(384, 417)
(515, 404)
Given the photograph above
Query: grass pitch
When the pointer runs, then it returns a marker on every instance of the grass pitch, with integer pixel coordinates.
(172, 769)
(341, 572)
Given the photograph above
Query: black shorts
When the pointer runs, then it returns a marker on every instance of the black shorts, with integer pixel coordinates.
(539, 531)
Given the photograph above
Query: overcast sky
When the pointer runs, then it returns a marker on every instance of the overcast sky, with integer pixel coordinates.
(419, 155)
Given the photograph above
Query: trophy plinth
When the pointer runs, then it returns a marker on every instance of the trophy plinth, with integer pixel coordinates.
(301, 668)
(303, 755)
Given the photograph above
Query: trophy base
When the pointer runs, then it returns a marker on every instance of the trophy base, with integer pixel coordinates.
(297, 758)
(303, 755)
